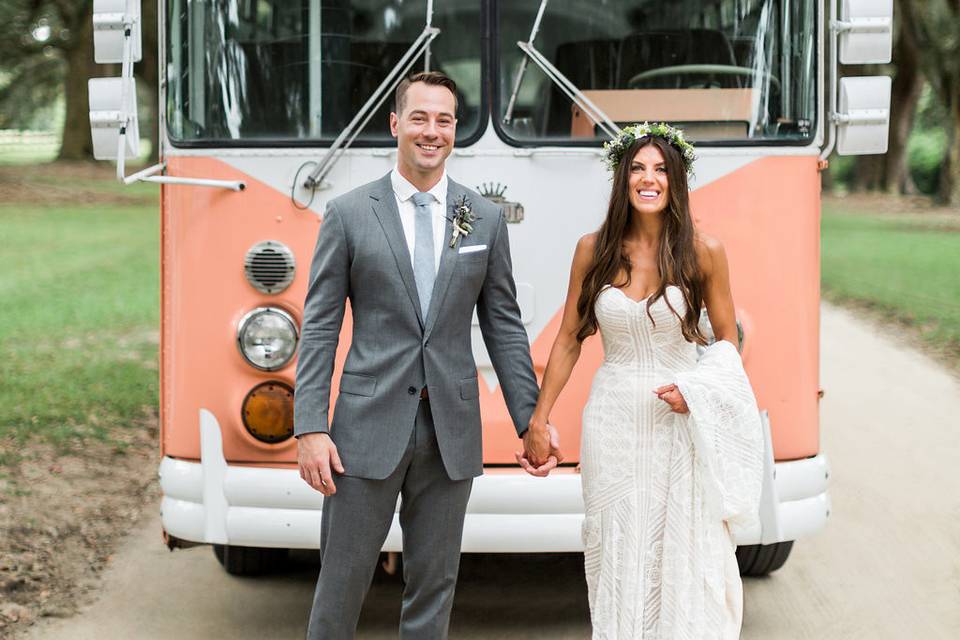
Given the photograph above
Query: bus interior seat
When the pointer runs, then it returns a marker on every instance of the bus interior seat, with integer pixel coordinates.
(648, 50)
(589, 64)
(743, 49)
(279, 64)
(359, 75)
(352, 70)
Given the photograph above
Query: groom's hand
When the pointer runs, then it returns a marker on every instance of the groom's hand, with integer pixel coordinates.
(534, 437)
(317, 457)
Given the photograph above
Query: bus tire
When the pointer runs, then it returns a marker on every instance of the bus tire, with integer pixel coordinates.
(249, 561)
(761, 559)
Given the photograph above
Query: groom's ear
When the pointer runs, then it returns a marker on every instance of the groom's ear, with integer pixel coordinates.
(394, 123)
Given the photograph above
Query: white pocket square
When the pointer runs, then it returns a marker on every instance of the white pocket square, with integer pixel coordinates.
(472, 248)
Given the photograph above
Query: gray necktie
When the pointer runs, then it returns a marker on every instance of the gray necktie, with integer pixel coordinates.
(423, 269)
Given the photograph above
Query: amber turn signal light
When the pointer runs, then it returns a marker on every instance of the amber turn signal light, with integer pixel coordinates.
(268, 412)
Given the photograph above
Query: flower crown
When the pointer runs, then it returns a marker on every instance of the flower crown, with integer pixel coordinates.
(613, 151)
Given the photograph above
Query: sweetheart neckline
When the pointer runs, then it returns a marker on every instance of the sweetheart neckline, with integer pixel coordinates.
(641, 300)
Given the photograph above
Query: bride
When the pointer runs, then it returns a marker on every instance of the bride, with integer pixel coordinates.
(672, 445)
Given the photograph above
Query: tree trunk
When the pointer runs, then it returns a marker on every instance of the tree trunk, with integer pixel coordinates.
(905, 93)
(826, 181)
(948, 192)
(148, 71)
(867, 173)
(77, 143)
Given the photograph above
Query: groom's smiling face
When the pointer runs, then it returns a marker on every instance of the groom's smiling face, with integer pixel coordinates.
(425, 128)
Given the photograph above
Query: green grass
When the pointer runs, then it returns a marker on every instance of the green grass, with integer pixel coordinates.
(79, 319)
(906, 266)
(28, 154)
(40, 152)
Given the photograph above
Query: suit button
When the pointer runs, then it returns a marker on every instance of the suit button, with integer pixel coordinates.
(412, 390)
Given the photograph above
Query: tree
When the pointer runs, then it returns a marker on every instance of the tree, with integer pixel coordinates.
(77, 50)
(46, 50)
(890, 172)
(31, 72)
(905, 93)
(934, 26)
(147, 70)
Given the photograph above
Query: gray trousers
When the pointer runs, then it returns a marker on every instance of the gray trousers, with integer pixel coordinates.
(355, 523)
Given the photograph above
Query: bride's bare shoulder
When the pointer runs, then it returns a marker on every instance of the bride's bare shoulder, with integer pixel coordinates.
(587, 243)
(583, 254)
(710, 252)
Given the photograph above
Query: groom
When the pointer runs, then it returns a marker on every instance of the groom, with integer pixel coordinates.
(407, 420)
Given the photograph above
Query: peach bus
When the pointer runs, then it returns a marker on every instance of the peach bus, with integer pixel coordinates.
(268, 109)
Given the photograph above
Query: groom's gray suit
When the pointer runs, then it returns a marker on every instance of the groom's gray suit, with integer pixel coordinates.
(407, 420)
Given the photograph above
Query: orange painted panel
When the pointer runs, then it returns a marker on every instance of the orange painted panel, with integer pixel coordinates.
(768, 216)
(766, 213)
(206, 234)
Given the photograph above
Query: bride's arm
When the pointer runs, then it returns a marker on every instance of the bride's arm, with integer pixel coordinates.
(718, 299)
(566, 349)
(717, 296)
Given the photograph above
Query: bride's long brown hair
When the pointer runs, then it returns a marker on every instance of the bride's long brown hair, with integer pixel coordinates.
(676, 254)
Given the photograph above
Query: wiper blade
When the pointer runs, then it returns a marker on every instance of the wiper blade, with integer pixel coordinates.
(508, 115)
(569, 89)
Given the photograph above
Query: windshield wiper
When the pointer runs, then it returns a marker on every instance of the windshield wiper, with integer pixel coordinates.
(569, 89)
(351, 131)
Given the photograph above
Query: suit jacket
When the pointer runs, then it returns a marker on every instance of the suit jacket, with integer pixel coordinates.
(361, 255)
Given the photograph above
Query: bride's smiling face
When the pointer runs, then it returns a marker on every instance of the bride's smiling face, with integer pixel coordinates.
(649, 186)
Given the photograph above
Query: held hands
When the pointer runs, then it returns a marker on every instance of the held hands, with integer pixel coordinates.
(317, 457)
(670, 394)
(541, 449)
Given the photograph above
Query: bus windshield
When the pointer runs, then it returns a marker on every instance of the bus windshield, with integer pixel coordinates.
(724, 70)
(296, 71)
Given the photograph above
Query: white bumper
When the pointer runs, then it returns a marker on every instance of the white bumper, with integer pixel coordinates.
(509, 511)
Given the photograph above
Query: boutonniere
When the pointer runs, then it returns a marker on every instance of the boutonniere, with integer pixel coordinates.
(463, 219)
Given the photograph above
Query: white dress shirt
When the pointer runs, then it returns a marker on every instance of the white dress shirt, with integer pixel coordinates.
(403, 191)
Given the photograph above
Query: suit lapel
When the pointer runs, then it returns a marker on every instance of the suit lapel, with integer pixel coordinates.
(385, 207)
(448, 259)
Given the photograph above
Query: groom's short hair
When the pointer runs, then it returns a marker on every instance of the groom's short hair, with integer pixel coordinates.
(435, 78)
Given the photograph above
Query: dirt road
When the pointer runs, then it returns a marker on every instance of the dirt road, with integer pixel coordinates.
(888, 565)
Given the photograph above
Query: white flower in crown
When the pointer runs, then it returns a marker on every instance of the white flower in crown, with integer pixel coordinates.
(463, 219)
(613, 151)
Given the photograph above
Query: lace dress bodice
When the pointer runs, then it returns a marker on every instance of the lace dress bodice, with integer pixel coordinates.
(633, 338)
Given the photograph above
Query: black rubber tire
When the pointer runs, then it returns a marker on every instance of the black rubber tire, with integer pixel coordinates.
(761, 559)
(250, 561)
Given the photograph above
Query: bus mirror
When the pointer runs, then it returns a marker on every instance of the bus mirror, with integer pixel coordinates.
(111, 19)
(107, 117)
(866, 31)
(863, 120)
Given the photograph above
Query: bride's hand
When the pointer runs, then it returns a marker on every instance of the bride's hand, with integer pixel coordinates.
(536, 442)
(533, 438)
(670, 394)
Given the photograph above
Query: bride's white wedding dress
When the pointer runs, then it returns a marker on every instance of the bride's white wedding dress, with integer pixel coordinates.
(663, 490)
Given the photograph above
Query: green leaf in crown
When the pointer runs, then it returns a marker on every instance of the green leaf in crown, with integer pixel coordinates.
(613, 151)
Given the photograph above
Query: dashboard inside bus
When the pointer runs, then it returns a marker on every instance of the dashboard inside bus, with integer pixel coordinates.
(284, 72)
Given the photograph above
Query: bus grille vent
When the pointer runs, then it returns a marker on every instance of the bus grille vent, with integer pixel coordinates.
(269, 266)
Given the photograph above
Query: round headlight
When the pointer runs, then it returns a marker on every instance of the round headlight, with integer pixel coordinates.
(267, 338)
